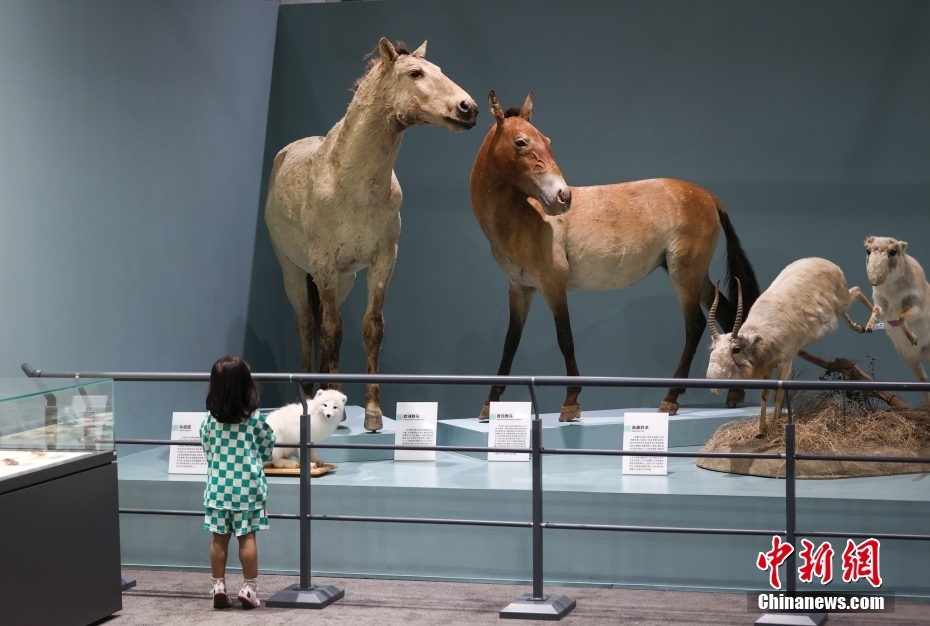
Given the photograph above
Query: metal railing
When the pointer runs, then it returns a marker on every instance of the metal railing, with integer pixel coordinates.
(536, 605)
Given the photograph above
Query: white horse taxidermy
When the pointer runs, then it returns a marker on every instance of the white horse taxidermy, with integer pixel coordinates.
(333, 203)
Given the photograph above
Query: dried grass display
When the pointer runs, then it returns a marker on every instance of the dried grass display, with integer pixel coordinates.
(852, 423)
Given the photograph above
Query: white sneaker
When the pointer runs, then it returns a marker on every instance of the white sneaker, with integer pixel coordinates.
(220, 597)
(248, 597)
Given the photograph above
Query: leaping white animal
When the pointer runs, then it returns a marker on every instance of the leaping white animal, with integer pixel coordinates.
(799, 307)
(333, 203)
(902, 301)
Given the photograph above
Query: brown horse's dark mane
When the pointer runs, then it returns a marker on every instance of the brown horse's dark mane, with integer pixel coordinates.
(400, 47)
(513, 112)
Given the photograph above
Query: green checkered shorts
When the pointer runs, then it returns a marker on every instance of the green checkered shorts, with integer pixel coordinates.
(239, 523)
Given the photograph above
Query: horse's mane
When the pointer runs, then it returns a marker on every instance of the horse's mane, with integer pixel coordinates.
(400, 47)
(513, 112)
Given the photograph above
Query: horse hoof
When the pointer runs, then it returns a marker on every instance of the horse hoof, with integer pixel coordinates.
(668, 407)
(570, 413)
(485, 414)
(373, 422)
(735, 397)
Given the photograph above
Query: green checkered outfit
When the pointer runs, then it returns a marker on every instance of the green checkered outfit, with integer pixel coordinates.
(236, 489)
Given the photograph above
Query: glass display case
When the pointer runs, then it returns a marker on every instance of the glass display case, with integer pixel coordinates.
(46, 422)
(57, 471)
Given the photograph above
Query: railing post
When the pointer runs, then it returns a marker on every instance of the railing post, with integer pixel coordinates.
(305, 595)
(537, 605)
(791, 572)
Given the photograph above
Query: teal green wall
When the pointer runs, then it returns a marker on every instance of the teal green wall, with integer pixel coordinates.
(810, 121)
(131, 139)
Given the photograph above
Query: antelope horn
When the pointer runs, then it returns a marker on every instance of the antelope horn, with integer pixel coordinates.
(739, 307)
(712, 314)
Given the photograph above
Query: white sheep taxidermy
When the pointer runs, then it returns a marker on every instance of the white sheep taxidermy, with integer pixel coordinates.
(799, 307)
(902, 301)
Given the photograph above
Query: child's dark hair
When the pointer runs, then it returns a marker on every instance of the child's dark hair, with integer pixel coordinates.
(233, 395)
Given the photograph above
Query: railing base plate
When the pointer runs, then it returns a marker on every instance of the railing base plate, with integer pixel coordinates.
(792, 619)
(316, 597)
(550, 607)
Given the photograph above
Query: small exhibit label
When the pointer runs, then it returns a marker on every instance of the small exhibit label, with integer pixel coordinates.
(186, 459)
(415, 426)
(509, 427)
(645, 431)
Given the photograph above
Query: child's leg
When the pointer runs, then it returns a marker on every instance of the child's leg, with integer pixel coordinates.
(218, 551)
(248, 555)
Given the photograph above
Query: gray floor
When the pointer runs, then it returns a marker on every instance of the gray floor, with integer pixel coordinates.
(162, 597)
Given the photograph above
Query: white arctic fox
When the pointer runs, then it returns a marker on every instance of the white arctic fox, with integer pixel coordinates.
(326, 410)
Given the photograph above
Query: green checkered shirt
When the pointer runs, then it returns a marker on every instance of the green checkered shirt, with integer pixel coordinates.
(235, 454)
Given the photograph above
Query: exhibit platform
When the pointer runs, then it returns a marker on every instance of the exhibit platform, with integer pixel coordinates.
(692, 426)
(352, 430)
(577, 489)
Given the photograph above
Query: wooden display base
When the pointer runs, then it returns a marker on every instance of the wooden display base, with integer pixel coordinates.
(295, 471)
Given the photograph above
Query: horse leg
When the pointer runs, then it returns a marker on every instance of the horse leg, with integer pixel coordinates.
(295, 285)
(558, 302)
(688, 288)
(726, 315)
(344, 284)
(379, 275)
(330, 325)
(520, 300)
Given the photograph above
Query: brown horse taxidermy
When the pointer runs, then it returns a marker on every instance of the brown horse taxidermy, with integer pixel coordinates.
(549, 237)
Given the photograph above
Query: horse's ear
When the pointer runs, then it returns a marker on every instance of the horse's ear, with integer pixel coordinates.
(421, 51)
(903, 246)
(527, 111)
(495, 106)
(387, 49)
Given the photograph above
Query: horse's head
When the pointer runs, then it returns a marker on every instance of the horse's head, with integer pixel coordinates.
(420, 93)
(524, 159)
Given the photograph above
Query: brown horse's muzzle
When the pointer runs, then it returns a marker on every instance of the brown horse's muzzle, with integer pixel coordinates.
(554, 195)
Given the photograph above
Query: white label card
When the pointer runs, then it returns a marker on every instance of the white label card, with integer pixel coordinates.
(509, 427)
(186, 459)
(415, 426)
(645, 431)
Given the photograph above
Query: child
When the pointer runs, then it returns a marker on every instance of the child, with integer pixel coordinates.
(237, 441)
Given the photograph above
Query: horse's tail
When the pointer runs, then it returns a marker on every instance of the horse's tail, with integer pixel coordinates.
(316, 310)
(738, 265)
